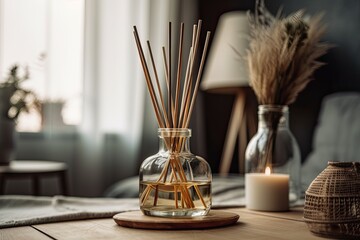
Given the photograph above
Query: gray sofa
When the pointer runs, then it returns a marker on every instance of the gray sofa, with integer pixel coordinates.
(336, 138)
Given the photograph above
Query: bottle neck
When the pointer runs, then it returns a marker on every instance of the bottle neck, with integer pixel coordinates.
(273, 116)
(174, 140)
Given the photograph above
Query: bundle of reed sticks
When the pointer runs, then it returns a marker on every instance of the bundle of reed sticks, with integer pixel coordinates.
(176, 111)
(179, 108)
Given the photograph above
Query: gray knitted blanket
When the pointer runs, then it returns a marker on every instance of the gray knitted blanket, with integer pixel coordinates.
(29, 210)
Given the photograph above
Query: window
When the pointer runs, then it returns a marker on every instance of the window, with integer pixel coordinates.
(47, 36)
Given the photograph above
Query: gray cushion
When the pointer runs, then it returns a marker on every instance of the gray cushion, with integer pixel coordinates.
(337, 135)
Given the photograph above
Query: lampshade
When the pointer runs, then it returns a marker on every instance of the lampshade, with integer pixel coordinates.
(226, 68)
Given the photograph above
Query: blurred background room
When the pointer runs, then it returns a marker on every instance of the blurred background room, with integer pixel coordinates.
(93, 111)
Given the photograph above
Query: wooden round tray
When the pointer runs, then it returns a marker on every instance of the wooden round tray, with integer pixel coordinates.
(137, 219)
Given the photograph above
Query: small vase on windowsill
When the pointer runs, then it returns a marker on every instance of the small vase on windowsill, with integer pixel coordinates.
(174, 182)
(275, 147)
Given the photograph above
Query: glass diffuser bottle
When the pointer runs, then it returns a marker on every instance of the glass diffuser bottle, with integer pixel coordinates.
(275, 147)
(174, 182)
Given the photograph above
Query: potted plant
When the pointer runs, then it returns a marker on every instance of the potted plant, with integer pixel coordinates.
(14, 99)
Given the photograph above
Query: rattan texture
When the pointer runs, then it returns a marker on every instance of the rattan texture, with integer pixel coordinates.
(332, 201)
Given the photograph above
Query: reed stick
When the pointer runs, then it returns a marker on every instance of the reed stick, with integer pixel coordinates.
(178, 83)
(158, 86)
(187, 102)
(156, 195)
(195, 49)
(194, 35)
(166, 68)
(169, 78)
(197, 190)
(185, 87)
(176, 197)
(166, 73)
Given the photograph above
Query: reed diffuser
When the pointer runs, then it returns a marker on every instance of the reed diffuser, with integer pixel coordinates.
(174, 182)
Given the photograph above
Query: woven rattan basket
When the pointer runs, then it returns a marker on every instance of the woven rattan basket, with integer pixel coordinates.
(332, 201)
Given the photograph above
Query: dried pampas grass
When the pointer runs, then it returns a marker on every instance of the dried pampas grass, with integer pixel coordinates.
(283, 54)
(282, 58)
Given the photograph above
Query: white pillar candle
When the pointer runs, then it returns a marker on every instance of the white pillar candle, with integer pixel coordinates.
(267, 192)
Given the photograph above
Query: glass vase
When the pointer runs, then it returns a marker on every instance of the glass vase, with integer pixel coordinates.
(274, 148)
(174, 182)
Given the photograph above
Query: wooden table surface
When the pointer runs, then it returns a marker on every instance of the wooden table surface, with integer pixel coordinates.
(251, 225)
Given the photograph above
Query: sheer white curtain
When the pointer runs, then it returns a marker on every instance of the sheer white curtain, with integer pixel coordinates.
(116, 114)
